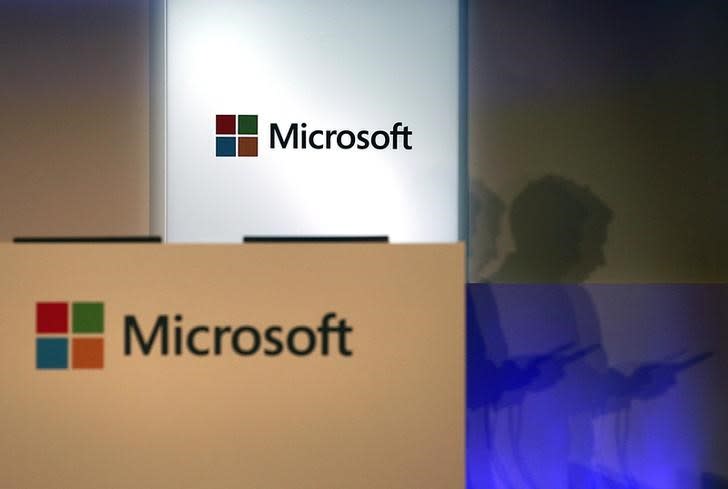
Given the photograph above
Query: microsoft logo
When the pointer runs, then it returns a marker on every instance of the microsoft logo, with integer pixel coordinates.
(70, 335)
(236, 135)
(52, 330)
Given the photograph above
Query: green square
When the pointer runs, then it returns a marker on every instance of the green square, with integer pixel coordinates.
(247, 124)
(88, 317)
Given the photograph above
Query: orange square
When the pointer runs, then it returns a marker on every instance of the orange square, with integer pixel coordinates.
(248, 146)
(87, 353)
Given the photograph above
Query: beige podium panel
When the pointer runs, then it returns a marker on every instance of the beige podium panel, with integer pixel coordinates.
(219, 366)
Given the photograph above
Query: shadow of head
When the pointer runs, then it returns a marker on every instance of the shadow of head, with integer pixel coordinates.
(559, 229)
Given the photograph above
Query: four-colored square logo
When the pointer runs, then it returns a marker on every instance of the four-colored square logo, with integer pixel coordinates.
(86, 347)
(237, 135)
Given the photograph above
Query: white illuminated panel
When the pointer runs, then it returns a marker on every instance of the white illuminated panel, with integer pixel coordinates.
(358, 65)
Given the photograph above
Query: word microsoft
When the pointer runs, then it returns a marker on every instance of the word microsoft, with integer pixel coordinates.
(298, 136)
(246, 340)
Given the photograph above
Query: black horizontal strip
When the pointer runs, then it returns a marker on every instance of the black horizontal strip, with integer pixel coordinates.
(316, 239)
(87, 239)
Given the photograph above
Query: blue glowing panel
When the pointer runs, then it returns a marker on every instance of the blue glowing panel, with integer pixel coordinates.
(596, 386)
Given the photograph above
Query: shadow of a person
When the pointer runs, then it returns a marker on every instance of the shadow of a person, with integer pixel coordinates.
(505, 348)
(559, 229)
(537, 377)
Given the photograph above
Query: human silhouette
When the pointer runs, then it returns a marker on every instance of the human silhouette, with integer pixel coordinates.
(538, 377)
(559, 229)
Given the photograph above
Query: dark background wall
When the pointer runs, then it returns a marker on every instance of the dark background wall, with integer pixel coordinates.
(73, 117)
(626, 97)
(598, 152)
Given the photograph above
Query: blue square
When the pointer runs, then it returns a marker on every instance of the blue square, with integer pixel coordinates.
(51, 353)
(225, 146)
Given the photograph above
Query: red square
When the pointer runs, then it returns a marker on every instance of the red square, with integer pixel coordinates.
(225, 124)
(51, 317)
